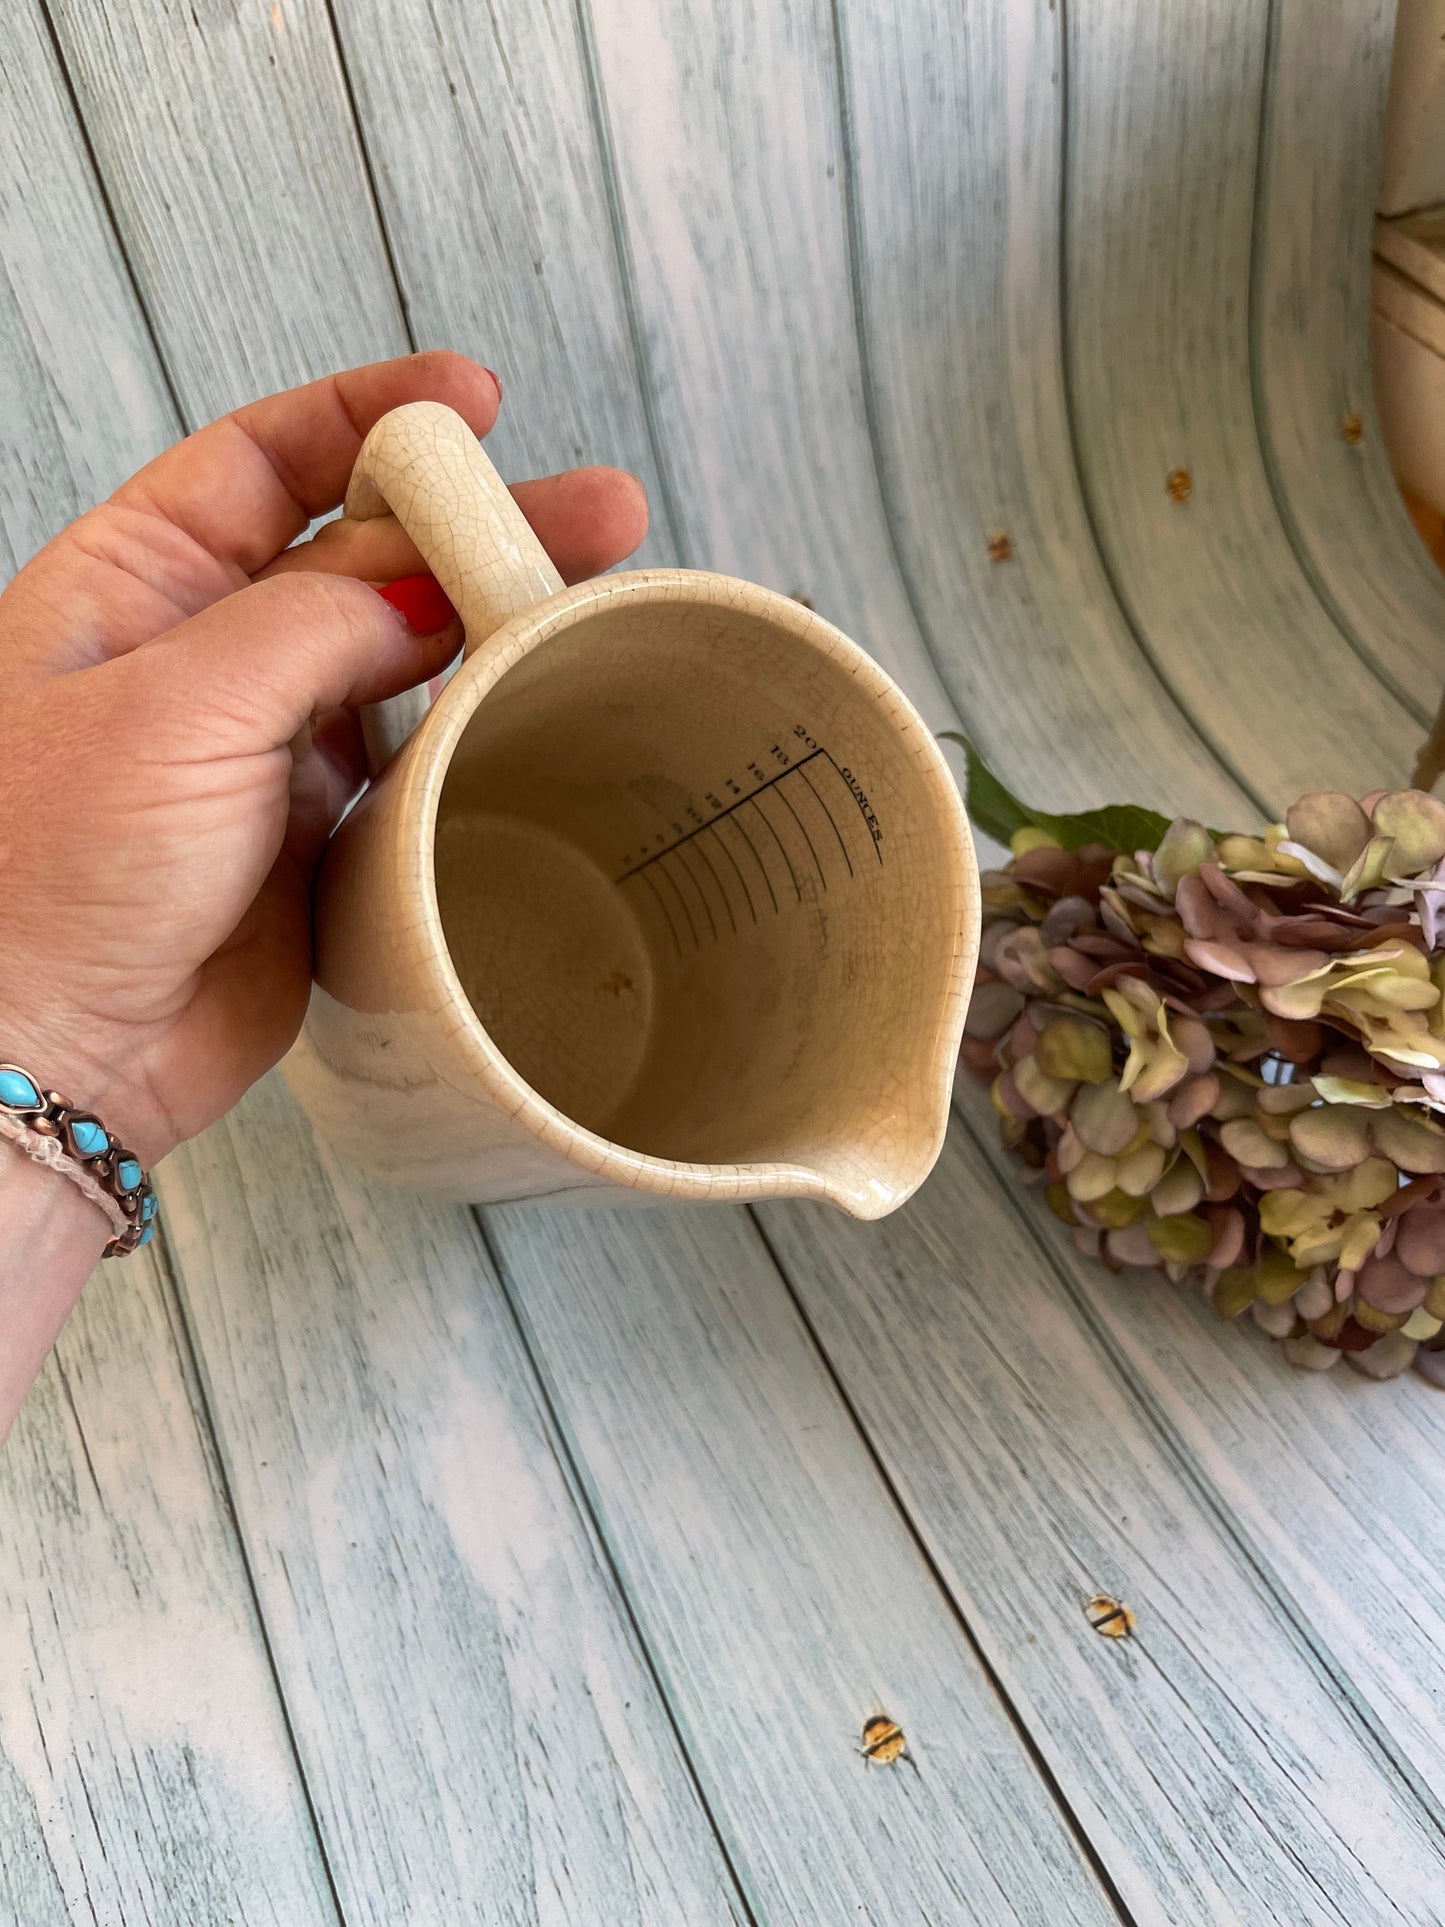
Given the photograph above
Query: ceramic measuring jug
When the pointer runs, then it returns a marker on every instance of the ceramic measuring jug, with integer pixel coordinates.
(669, 893)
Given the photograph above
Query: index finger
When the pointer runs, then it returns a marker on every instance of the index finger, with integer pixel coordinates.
(247, 485)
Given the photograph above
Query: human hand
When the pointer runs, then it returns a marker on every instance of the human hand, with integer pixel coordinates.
(179, 736)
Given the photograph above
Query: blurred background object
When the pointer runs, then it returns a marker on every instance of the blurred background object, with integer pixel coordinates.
(1407, 318)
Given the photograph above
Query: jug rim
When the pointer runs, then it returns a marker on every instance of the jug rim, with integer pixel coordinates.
(422, 767)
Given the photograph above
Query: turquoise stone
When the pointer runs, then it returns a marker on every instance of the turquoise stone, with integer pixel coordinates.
(17, 1093)
(90, 1138)
(148, 1207)
(145, 1237)
(129, 1174)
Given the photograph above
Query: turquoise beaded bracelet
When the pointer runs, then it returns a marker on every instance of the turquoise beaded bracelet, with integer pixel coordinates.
(53, 1131)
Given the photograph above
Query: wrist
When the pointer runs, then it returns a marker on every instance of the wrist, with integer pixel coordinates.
(51, 1239)
(93, 1073)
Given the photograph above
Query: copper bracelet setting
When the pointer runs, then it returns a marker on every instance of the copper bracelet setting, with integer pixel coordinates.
(50, 1129)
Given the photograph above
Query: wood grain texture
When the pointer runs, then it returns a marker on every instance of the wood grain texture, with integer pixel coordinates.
(1161, 153)
(82, 396)
(1218, 1760)
(479, 1732)
(724, 123)
(1335, 1493)
(146, 1773)
(773, 1580)
(225, 138)
(955, 129)
(461, 1652)
(484, 149)
(1324, 103)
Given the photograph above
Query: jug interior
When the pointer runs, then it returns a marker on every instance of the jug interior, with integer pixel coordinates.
(701, 894)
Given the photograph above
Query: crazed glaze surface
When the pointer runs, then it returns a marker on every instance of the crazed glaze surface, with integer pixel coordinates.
(670, 891)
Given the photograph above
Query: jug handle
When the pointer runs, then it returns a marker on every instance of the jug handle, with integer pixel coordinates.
(422, 464)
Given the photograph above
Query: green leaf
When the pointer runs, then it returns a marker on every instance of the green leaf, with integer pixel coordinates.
(999, 813)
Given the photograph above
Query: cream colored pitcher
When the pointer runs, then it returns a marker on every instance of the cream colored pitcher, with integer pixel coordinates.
(669, 894)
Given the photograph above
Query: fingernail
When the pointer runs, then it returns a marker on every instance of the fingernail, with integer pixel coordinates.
(497, 379)
(422, 600)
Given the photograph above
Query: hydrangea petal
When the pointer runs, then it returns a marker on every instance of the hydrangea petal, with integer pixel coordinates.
(1075, 1048)
(1321, 871)
(1179, 1190)
(1182, 1239)
(1415, 822)
(1408, 1142)
(992, 1009)
(1229, 1233)
(1183, 847)
(1244, 853)
(1357, 1241)
(1066, 918)
(1247, 1144)
(1104, 1118)
(1389, 1287)
(1091, 1178)
(1153, 1070)
(1299, 1002)
(1334, 1136)
(1307, 1354)
(1278, 1276)
(1141, 1170)
(1043, 1094)
(1368, 869)
(1386, 1358)
(1132, 1245)
(1348, 1090)
(1331, 824)
(1420, 1241)
(1277, 964)
(1369, 1184)
(1192, 1100)
(1223, 959)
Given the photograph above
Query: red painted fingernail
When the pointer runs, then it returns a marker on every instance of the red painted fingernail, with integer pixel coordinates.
(497, 379)
(421, 599)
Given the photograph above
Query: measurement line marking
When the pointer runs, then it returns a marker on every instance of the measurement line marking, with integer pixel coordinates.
(829, 814)
(727, 901)
(667, 914)
(753, 799)
(877, 851)
(747, 893)
(669, 878)
(784, 798)
(742, 831)
(688, 835)
(692, 879)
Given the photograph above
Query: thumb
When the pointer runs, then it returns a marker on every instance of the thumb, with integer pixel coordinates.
(256, 666)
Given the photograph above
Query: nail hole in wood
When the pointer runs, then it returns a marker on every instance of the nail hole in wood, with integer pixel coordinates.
(883, 1740)
(1109, 1617)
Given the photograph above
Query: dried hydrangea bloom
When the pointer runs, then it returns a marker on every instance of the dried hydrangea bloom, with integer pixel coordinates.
(1226, 1057)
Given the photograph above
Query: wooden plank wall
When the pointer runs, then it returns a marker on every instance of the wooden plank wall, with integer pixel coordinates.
(368, 1561)
(146, 1768)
